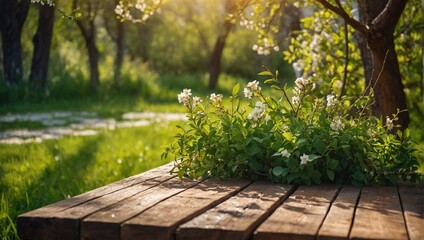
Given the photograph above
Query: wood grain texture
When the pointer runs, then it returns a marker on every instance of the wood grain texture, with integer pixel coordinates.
(300, 216)
(412, 197)
(105, 224)
(237, 217)
(161, 221)
(379, 214)
(62, 221)
(339, 219)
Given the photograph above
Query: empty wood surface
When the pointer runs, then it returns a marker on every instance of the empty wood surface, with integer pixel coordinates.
(105, 224)
(98, 192)
(237, 217)
(156, 205)
(300, 216)
(161, 221)
(339, 219)
(412, 197)
(379, 214)
(51, 223)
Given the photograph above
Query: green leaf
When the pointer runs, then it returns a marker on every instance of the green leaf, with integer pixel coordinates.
(271, 80)
(320, 146)
(285, 172)
(313, 157)
(288, 136)
(265, 73)
(255, 165)
(277, 171)
(330, 174)
(236, 89)
(259, 140)
(292, 163)
(333, 164)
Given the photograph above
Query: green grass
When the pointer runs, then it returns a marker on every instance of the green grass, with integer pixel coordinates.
(34, 175)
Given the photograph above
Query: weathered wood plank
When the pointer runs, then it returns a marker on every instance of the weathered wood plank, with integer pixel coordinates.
(237, 217)
(412, 198)
(379, 214)
(65, 224)
(300, 216)
(339, 219)
(98, 192)
(161, 221)
(105, 224)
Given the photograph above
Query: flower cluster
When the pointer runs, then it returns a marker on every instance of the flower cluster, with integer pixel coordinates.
(184, 97)
(216, 99)
(42, 2)
(337, 124)
(331, 101)
(124, 10)
(389, 123)
(252, 87)
(258, 112)
(302, 85)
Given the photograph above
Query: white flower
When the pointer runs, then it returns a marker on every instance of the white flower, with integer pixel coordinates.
(196, 101)
(337, 124)
(184, 97)
(301, 83)
(119, 10)
(296, 91)
(255, 115)
(257, 112)
(331, 100)
(216, 98)
(295, 99)
(247, 93)
(304, 159)
(338, 84)
(285, 153)
(276, 48)
(389, 123)
(254, 85)
(260, 105)
(298, 67)
(48, 2)
(267, 118)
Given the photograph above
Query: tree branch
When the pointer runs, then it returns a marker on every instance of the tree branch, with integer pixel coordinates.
(342, 13)
(389, 17)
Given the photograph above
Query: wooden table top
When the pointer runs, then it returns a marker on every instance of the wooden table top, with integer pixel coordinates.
(157, 205)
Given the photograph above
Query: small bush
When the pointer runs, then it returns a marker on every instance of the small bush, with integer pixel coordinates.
(308, 138)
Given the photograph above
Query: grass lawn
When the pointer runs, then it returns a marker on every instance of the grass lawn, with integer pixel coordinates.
(36, 174)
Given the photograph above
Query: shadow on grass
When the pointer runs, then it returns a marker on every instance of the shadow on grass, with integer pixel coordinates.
(60, 179)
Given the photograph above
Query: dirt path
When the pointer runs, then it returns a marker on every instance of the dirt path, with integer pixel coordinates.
(58, 124)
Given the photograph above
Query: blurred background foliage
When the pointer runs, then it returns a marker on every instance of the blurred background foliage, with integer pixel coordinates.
(175, 44)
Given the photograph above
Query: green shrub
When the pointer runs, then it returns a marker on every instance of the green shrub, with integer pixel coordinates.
(309, 138)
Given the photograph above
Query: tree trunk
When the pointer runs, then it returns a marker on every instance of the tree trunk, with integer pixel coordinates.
(119, 58)
(388, 90)
(88, 31)
(422, 49)
(93, 58)
(215, 60)
(42, 42)
(381, 66)
(12, 18)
